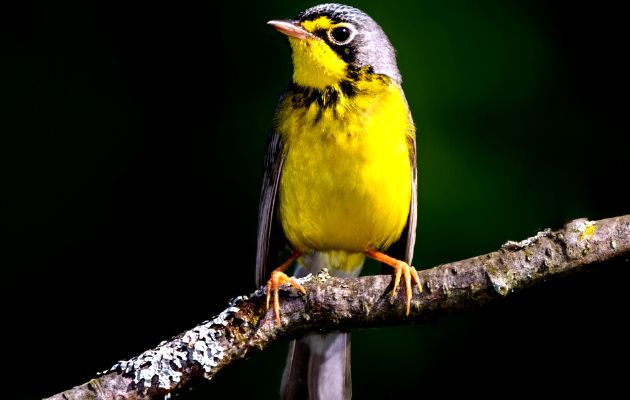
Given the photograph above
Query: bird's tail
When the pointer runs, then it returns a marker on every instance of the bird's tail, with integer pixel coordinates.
(318, 368)
(318, 365)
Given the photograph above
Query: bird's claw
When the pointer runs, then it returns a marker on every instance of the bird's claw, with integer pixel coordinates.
(277, 279)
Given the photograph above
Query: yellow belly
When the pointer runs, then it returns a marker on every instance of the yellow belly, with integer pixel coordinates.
(346, 179)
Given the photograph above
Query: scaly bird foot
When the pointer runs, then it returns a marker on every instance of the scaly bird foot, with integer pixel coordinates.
(279, 278)
(409, 272)
(401, 269)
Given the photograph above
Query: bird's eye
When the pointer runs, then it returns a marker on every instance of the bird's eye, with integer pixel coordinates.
(342, 34)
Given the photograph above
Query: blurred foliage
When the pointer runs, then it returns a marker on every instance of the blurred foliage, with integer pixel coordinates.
(134, 135)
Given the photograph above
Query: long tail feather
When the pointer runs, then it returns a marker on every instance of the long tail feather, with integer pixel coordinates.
(318, 368)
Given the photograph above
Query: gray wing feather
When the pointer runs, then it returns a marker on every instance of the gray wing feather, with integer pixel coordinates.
(274, 159)
(413, 210)
(403, 248)
(412, 221)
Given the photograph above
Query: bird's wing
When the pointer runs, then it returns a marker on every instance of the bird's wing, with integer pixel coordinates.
(413, 209)
(403, 248)
(270, 234)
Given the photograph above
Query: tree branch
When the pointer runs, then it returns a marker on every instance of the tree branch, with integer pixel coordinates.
(334, 303)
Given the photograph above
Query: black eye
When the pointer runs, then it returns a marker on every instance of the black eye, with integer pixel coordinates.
(342, 34)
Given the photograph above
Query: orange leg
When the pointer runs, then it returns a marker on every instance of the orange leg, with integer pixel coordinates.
(277, 279)
(402, 268)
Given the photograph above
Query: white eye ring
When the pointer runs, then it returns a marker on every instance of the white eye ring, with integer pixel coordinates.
(351, 30)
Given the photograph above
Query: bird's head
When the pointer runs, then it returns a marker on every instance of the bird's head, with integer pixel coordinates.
(329, 41)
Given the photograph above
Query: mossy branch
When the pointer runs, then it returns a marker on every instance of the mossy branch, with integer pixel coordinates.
(332, 303)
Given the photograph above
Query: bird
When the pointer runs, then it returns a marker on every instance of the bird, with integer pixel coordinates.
(339, 178)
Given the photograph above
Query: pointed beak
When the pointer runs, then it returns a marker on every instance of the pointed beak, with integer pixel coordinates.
(291, 28)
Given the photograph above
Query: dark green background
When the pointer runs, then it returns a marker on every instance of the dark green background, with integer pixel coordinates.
(122, 122)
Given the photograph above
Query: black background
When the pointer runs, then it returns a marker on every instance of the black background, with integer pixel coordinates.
(133, 135)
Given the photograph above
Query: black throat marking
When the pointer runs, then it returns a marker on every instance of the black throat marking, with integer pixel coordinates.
(304, 97)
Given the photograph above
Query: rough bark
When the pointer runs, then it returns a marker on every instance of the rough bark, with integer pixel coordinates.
(333, 303)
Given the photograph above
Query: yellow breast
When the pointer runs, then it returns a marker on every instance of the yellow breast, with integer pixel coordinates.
(346, 179)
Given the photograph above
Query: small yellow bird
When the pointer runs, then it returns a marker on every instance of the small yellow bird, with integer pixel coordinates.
(339, 177)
